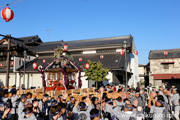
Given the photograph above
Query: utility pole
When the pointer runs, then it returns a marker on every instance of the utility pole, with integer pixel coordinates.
(125, 46)
(25, 53)
(8, 58)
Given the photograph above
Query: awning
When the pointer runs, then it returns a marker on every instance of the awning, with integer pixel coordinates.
(166, 76)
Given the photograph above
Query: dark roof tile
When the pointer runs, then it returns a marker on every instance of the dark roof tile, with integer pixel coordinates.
(159, 54)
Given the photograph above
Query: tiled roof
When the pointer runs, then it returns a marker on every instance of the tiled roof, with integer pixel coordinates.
(83, 44)
(159, 54)
(39, 61)
(48, 46)
(111, 60)
(99, 42)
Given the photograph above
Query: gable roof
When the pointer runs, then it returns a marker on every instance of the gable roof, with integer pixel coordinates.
(88, 44)
(159, 54)
(47, 46)
(99, 42)
(24, 42)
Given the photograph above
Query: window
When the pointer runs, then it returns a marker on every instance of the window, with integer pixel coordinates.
(166, 66)
(105, 50)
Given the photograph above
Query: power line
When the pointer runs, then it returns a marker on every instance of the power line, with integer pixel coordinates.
(11, 3)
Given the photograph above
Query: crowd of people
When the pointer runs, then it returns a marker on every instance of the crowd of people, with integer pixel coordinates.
(107, 103)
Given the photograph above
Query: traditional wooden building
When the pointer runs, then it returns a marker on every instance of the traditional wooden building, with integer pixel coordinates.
(81, 50)
(165, 67)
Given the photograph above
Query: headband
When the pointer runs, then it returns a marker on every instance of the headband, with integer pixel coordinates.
(93, 116)
(175, 89)
(23, 97)
(128, 107)
(71, 99)
(108, 101)
(57, 112)
(160, 102)
(28, 112)
(45, 96)
(53, 104)
(82, 106)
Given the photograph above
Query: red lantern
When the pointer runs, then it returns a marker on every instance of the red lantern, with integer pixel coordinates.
(44, 61)
(165, 53)
(80, 59)
(136, 52)
(121, 52)
(65, 47)
(1, 65)
(12, 63)
(35, 65)
(87, 66)
(102, 56)
(7, 14)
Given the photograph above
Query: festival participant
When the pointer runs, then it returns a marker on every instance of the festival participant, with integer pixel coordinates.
(14, 102)
(29, 96)
(21, 104)
(58, 111)
(60, 99)
(175, 102)
(28, 114)
(83, 99)
(119, 102)
(95, 102)
(13, 88)
(94, 114)
(5, 97)
(43, 104)
(81, 110)
(127, 113)
(158, 110)
(36, 109)
(70, 104)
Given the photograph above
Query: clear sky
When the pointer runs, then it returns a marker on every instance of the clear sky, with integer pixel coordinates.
(154, 24)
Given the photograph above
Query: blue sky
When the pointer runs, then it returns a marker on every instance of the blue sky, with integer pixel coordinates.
(154, 24)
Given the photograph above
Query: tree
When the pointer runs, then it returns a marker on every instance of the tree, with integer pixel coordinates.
(96, 72)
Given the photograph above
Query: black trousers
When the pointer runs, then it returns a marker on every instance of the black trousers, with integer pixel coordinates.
(14, 117)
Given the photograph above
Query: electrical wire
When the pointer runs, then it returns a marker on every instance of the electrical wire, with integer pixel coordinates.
(11, 3)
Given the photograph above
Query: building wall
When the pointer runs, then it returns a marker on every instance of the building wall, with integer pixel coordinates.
(11, 79)
(157, 68)
(142, 71)
(18, 61)
(133, 68)
(31, 80)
